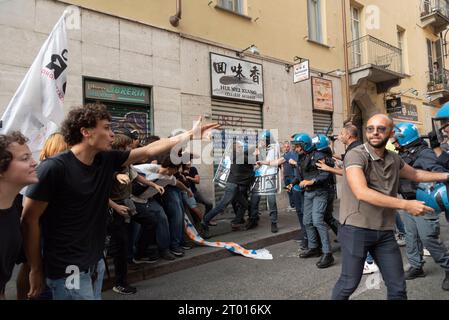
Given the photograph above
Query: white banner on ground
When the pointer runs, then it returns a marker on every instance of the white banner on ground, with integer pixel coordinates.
(261, 254)
(36, 108)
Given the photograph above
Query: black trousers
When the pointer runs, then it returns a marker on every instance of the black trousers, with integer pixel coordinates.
(118, 229)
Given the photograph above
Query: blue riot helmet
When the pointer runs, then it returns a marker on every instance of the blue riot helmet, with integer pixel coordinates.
(266, 136)
(406, 133)
(440, 123)
(304, 140)
(434, 195)
(321, 142)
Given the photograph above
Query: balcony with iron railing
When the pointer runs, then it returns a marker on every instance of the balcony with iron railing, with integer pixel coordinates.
(438, 86)
(376, 61)
(435, 14)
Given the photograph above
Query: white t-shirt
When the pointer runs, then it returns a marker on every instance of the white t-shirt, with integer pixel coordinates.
(272, 154)
(151, 172)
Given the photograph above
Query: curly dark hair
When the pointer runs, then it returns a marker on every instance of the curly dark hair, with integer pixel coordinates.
(5, 141)
(82, 117)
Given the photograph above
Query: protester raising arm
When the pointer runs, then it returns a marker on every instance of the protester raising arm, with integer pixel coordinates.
(161, 146)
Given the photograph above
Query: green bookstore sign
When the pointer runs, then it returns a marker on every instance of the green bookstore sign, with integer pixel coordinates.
(116, 93)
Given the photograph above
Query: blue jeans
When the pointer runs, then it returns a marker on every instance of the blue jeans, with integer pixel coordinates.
(154, 211)
(287, 181)
(172, 202)
(399, 223)
(232, 192)
(424, 231)
(315, 205)
(355, 243)
(200, 199)
(86, 290)
(298, 198)
(329, 215)
(272, 207)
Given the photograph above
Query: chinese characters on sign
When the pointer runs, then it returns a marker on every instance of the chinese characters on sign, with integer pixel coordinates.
(301, 71)
(323, 98)
(236, 79)
(408, 112)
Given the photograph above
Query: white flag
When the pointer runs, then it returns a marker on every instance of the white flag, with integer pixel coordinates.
(36, 108)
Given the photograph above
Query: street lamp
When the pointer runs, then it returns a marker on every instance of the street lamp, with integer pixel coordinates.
(338, 73)
(252, 49)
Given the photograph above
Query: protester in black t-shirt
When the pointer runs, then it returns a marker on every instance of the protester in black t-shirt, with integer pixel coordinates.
(17, 170)
(71, 200)
(193, 178)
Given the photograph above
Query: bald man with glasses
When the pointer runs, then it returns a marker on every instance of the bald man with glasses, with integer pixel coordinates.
(367, 210)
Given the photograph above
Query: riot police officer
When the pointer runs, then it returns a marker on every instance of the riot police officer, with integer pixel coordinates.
(420, 230)
(316, 184)
(268, 149)
(240, 178)
(439, 136)
(322, 144)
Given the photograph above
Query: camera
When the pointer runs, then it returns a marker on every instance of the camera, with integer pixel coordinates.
(333, 137)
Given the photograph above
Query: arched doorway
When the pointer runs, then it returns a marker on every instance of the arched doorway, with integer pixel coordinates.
(357, 119)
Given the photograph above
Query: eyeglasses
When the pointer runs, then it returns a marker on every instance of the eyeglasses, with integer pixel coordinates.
(380, 129)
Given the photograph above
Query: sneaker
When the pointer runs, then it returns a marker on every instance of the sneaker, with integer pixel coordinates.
(127, 290)
(400, 239)
(178, 252)
(370, 268)
(187, 246)
(274, 228)
(414, 273)
(426, 252)
(291, 208)
(149, 259)
(167, 255)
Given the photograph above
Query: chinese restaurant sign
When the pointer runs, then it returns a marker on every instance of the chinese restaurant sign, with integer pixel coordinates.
(236, 79)
(322, 93)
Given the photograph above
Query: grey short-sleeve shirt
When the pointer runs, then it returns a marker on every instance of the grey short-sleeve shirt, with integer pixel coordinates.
(382, 175)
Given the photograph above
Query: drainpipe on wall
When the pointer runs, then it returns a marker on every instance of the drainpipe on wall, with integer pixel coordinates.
(174, 20)
(345, 47)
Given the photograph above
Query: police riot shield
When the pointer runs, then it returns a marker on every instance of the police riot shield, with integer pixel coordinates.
(267, 178)
(224, 167)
